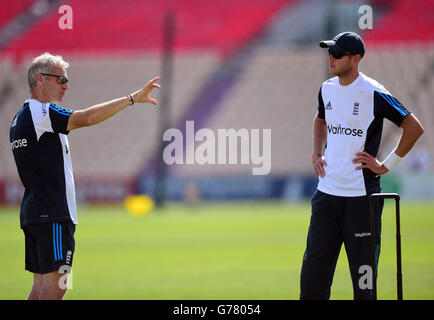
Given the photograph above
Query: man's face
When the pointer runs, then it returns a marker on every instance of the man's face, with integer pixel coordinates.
(51, 89)
(338, 67)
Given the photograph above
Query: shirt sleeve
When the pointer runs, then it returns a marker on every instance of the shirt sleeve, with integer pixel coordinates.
(59, 118)
(321, 110)
(49, 117)
(387, 106)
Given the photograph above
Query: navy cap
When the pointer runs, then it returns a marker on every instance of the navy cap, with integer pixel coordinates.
(345, 42)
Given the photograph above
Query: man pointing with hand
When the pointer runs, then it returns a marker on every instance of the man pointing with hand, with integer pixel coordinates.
(346, 138)
(38, 138)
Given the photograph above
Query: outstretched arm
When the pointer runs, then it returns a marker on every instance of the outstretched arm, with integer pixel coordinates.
(103, 111)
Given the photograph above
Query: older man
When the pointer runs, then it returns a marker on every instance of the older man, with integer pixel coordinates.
(38, 138)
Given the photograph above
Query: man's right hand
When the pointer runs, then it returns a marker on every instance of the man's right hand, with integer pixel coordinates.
(318, 166)
(319, 142)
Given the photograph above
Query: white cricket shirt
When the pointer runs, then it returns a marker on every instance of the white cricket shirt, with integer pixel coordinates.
(354, 116)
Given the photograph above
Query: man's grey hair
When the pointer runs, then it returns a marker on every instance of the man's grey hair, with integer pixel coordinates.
(43, 64)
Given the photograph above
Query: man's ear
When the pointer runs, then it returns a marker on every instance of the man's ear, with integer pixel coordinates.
(357, 58)
(39, 78)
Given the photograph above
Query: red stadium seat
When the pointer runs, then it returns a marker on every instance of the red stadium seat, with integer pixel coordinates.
(409, 21)
(10, 9)
(136, 25)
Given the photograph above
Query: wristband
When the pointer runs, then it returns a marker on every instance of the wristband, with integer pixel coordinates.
(131, 99)
(319, 155)
(391, 161)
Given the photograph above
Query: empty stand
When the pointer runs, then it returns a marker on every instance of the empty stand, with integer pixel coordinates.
(103, 26)
(113, 50)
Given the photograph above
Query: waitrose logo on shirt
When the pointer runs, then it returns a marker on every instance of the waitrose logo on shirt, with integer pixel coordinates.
(344, 131)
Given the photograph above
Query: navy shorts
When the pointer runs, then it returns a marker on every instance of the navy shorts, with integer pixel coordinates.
(49, 246)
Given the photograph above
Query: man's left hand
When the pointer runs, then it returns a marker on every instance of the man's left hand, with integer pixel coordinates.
(369, 162)
(144, 94)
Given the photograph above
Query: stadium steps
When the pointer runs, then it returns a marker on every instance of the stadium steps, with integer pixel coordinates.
(275, 92)
(208, 100)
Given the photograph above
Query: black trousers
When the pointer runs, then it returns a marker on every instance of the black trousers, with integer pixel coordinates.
(336, 220)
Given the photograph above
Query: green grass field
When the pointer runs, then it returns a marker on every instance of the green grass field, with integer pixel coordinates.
(218, 251)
